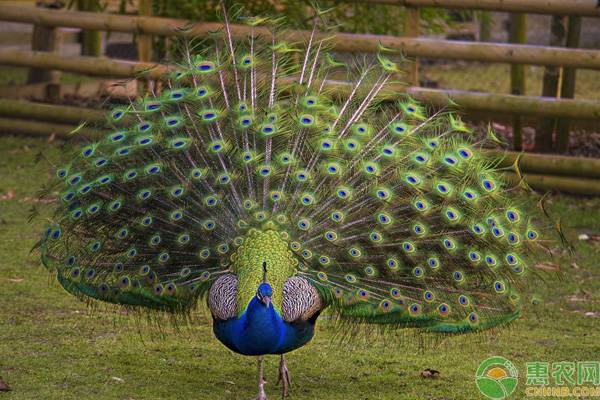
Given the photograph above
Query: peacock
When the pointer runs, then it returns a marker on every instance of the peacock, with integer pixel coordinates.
(251, 179)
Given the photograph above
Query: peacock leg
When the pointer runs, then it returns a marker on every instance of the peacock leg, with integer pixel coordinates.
(284, 378)
(261, 380)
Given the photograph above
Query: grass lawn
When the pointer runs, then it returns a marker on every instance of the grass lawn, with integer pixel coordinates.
(53, 347)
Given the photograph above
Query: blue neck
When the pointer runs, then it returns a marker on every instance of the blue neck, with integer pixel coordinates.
(262, 328)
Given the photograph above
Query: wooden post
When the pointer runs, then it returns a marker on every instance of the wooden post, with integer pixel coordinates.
(144, 42)
(485, 26)
(412, 25)
(563, 126)
(144, 47)
(91, 40)
(544, 135)
(518, 34)
(46, 38)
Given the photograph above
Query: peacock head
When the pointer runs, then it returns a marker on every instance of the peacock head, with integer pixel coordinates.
(262, 264)
(264, 293)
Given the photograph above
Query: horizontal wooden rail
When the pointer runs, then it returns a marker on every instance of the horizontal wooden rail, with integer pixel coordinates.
(474, 101)
(415, 47)
(529, 162)
(547, 172)
(551, 164)
(567, 184)
(91, 66)
(509, 104)
(48, 112)
(583, 8)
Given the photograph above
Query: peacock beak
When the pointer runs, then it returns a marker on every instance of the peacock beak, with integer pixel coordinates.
(266, 300)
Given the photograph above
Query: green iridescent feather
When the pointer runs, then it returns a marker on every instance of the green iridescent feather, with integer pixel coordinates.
(246, 155)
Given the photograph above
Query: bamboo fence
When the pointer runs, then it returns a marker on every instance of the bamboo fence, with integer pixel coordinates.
(546, 172)
(582, 8)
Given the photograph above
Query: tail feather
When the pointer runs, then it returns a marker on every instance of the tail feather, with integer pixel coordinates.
(393, 211)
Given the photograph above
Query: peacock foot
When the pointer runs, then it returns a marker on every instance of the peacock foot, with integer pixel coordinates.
(261, 379)
(284, 378)
(261, 392)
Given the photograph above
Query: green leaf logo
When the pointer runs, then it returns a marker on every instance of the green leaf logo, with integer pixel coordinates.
(497, 378)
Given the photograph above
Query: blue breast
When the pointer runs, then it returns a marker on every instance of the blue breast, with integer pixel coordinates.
(261, 330)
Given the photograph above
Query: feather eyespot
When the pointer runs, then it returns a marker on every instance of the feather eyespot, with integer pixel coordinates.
(428, 295)
(306, 254)
(356, 253)
(532, 235)
(418, 272)
(204, 254)
(337, 216)
(392, 263)
(499, 287)
(443, 309)
(491, 261)
(512, 215)
(204, 276)
(497, 232)
(385, 305)
(415, 309)
(183, 239)
(363, 294)
(511, 259)
(103, 289)
(375, 237)
(458, 276)
(408, 247)
(474, 256)
(433, 262)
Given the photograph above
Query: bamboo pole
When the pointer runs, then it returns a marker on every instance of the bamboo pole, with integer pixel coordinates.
(508, 104)
(91, 40)
(84, 65)
(48, 112)
(412, 27)
(544, 135)
(476, 101)
(144, 45)
(44, 38)
(143, 41)
(546, 164)
(566, 184)
(583, 8)
(485, 26)
(540, 170)
(518, 34)
(563, 126)
(414, 47)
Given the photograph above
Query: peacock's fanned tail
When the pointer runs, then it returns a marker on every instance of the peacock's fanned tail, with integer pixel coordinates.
(394, 212)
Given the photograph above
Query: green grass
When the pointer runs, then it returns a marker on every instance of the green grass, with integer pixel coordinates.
(53, 347)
